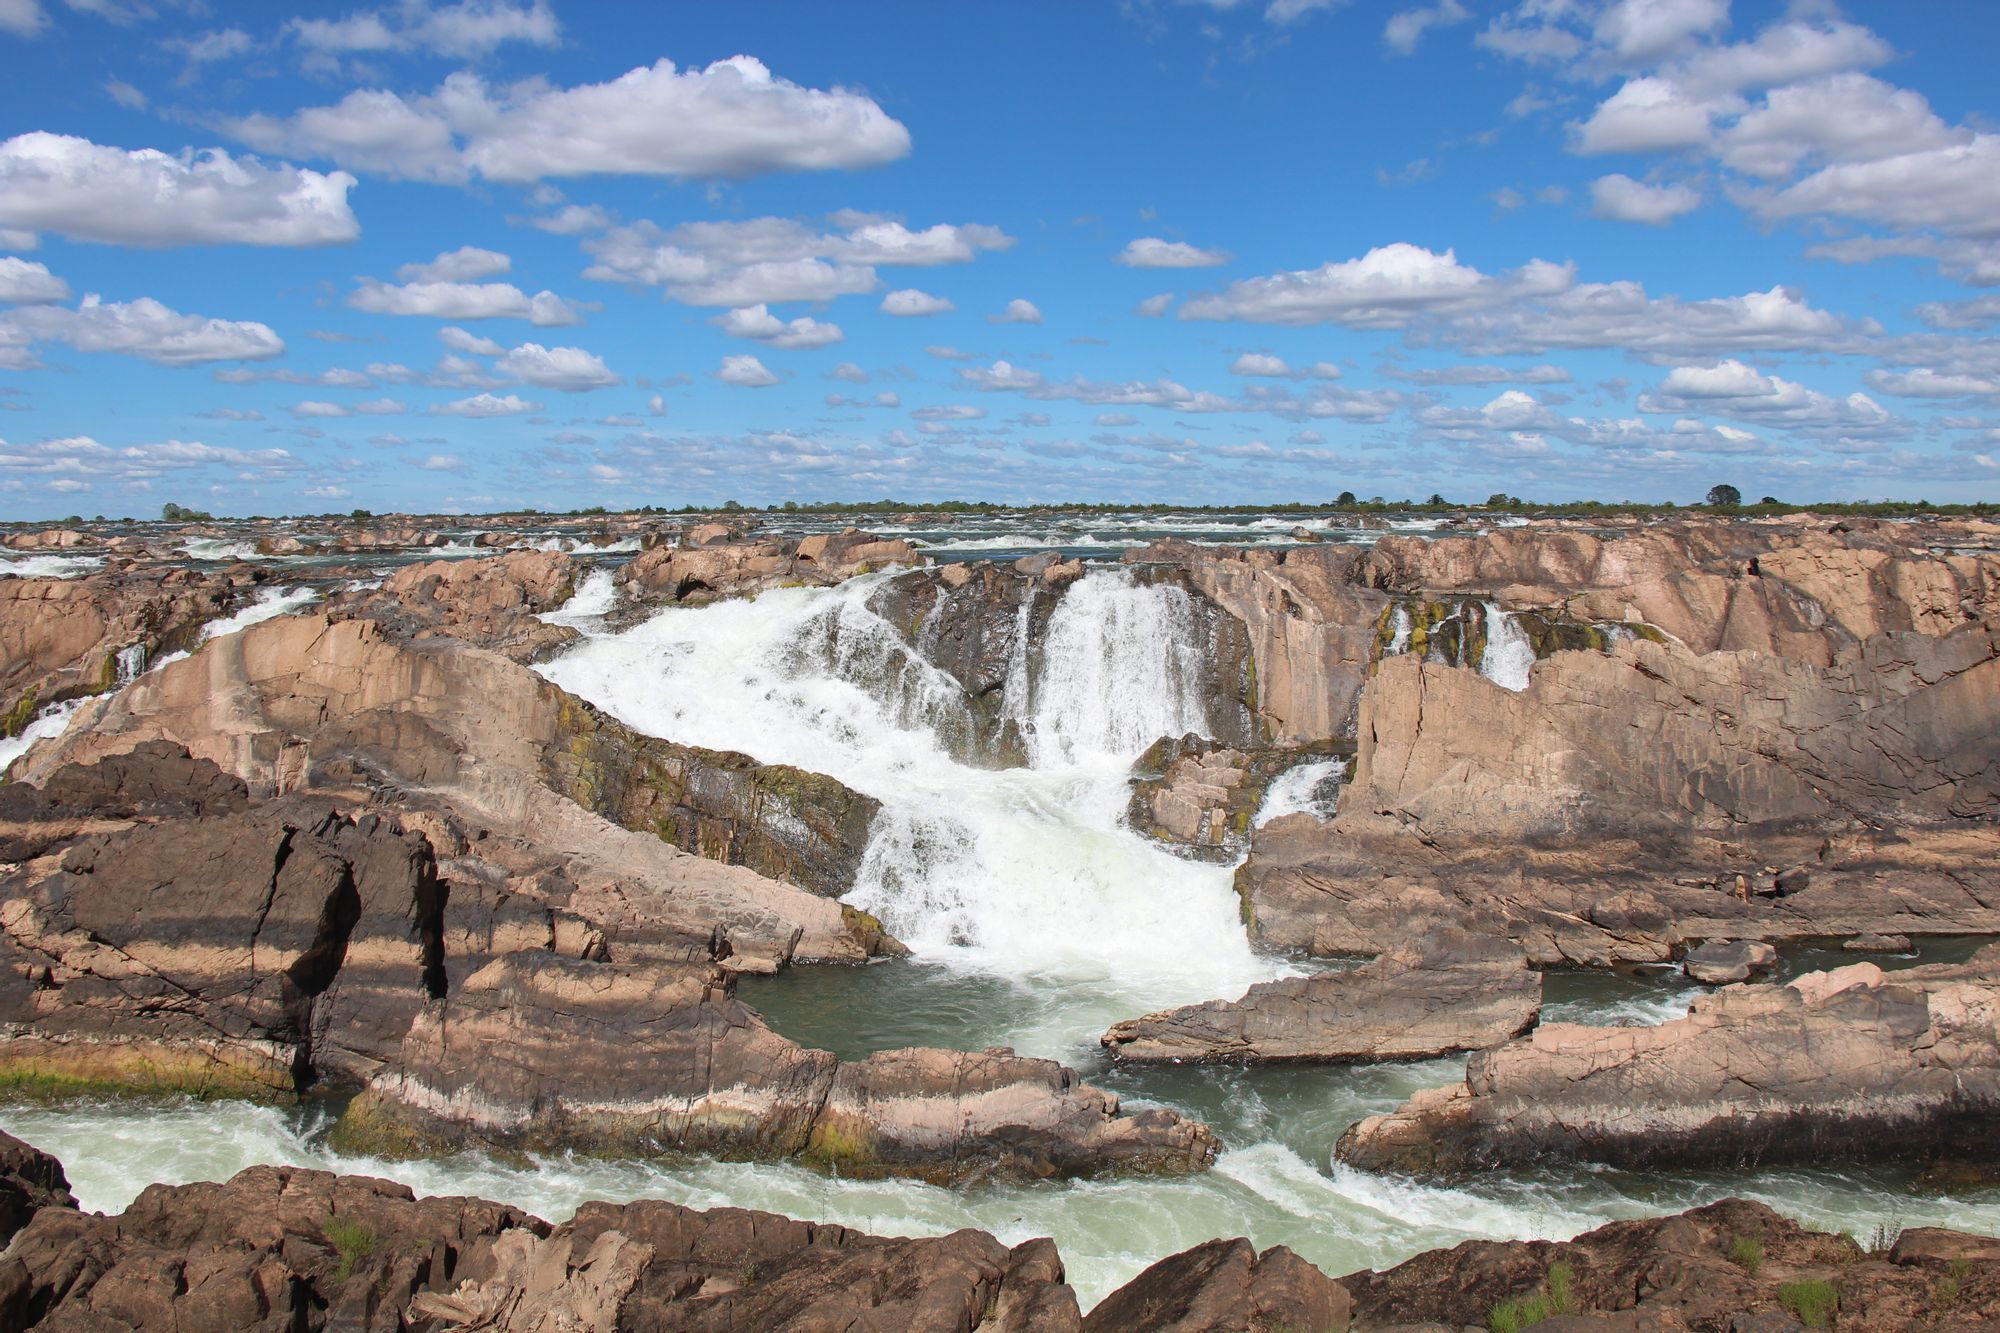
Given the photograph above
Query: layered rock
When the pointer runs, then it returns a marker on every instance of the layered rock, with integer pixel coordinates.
(310, 703)
(494, 603)
(238, 955)
(1200, 796)
(1626, 803)
(1848, 1065)
(1450, 991)
(155, 781)
(539, 1052)
(716, 564)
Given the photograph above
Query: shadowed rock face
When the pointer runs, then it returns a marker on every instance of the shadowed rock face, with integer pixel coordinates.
(1450, 991)
(156, 781)
(1225, 1284)
(1848, 1065)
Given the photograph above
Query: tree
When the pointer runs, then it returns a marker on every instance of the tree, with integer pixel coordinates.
(1500, 500)
(1437, 501)
(1768, 500)
(1724, 496)
(1345, 499)
(173, 513)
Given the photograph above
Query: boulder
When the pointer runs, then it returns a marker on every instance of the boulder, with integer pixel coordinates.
(493, 602)
(156, 781)
(1724, 962)
(714, 562)
(1449, 991)
(1849, 1065)
(1224, 1286)
(30, 1180)
(1877, 944)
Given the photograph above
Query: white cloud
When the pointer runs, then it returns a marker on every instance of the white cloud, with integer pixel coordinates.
(569, 369)
(381, 407)
(79, 462)
(1648, 115)
(732, 119)
(1152, 252)
(1973, 314)
(23, 282)
(1842, 118)
(143, 328)
(1619, 198)
(849, 372)
(210, 47)
(459, 340)
(448, 462)
(1927, 383)
(1386, 288)
(311, 409)
(1644, 30)
(1265, 366)
(1953, 189)
(1154, 306)
(1018, 311)
(1405, 29)
(23, 18)
(573, 220)
(463, 300)
(909, 302)
(468, 263)
(1621, 315)
(468, 29)
(486, 405)
(1731, 388)
(758, 323)
(745, 372)
(89, 192)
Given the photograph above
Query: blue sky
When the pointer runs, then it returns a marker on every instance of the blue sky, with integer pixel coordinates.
(463, 256)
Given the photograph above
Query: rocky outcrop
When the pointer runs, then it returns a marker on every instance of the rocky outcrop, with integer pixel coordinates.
(1724, 962)
(540, 1052)
(61, 638)
(156, 781)
(346, 706)
(1200, 796)
(494, 603)
(30, 1180)
(1848, 1065)
(1450, 991)
(240, 955)
(715, 564)
(1223, 1286)
(1732, 1265)
(1627, 803)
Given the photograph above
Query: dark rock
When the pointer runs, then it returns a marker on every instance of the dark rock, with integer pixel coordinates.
(1224, 1286)
(30, 1180)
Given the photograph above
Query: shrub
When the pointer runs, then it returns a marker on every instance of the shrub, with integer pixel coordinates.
(1814, 1301)
(1747, 1253)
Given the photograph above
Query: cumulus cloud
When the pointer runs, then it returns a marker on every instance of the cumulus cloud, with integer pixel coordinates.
(22, 18)
(732, 119)
(1640, 30)
(23, 282)
(459, 340)
(1619, 198)
(1389, 287)
(909, 303)
(1407, 27)
(1622, 315)
(1153, 307)
(468, 263)
(569, 369)
(1264, 365)
(1731, 388)
(1152, 252)
(1647, 115)
(1018, 311)
(143, 328)
(464, 300)
(486, 405)
(1925, 382)
(89, 192)
(758, 323)
(770, 260)
(80, 462)
(745, 372)
(469, 29)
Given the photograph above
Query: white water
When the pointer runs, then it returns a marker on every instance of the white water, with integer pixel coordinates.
(50, 566)
(1399, 640)
(1027, 874)
(1508, 656)
(216, 550)
(594, 599)
(51, 721)
(1304, 789)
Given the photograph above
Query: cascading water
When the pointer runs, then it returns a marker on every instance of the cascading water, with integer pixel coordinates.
(1509, 656)
(1311, 788)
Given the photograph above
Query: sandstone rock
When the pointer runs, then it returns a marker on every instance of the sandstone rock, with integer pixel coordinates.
(1877, 944)
(1723, 962)
(494, 602)
(950, 1116)
(1676, 1273)
(1224, 1286)
(1450, 991)
(1850, 1065)
(714, 562)
(156, 781)
(306, 702)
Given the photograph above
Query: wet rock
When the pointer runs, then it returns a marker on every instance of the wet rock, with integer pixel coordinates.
(950, 1116)
(30, 1180)
(1724, 962)
(1224, 1286)
(1877, 944)
(1450, 991)
(1848, 1065)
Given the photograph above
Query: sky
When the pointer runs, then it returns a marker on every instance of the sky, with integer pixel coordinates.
(456, 257)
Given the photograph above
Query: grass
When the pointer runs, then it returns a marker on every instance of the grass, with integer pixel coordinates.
(353, 1241)
(1945, 1294)
(1557, 1296)
(1814, 1302)
(1747, 1253)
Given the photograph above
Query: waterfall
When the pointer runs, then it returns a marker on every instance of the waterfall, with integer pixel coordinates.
(1121, 667)
(1399, 637)
(1508, 654)
(131, 661)
(1311, 788)
(1023, 874)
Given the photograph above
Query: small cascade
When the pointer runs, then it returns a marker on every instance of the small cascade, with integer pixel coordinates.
(131, 661)
(1399, 632)
(1304, 789)
(1509, 654)
(594, 599)
(1121, 667)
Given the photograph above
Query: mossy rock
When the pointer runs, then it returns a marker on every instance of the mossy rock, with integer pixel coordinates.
(21, 714)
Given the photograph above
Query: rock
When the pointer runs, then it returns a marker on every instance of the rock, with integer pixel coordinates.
(1450, 991)
(1877, 944)
(714, 562)
(155, 781)
(493, 602)
(1224, 1286)
(1848, 1065)
(1728, 1265)
(1723, 962)
(202, 956)
(951, 1116)
(306, 702)
(30, 1180)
